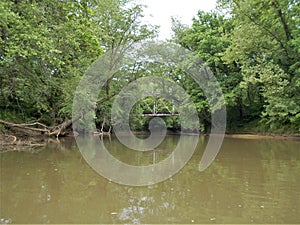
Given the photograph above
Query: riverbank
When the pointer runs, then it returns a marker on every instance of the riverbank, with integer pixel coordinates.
(295, 137)
(20, 139)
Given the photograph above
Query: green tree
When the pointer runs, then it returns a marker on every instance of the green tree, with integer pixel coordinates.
(119, 28)
(208, 37)
(263, 43)
(45, 47)
(252, 47)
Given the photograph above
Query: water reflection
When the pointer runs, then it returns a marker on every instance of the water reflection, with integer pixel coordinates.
(102, 161)
(251, 181)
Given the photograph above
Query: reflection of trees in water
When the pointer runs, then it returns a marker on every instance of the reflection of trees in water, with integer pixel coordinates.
(281, 166)
(242, 185)
(250, 181)
(33, 187)
(257, 171)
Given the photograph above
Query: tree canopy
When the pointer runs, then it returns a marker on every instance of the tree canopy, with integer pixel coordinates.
(251, 46)
(253, 49)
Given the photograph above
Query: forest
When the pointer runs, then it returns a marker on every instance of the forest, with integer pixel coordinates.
(251, 46)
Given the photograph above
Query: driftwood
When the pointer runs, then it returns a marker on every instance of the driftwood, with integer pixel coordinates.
(12, 143)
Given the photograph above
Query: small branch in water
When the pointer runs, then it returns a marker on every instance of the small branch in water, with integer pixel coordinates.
(102, 133)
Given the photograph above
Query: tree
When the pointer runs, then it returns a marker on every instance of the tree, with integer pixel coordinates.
(263, 44)
(47, 46)
(252, 47)
(208, 38)
(119, 28)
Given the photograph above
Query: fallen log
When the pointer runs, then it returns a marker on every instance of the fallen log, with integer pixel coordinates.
(53, 130)
(58, 130)
(26, 126)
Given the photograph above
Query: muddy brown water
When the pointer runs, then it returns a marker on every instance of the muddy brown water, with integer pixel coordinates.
(250, 181)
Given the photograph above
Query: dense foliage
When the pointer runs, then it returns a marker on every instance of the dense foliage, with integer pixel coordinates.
(45, 47)
(251, 46)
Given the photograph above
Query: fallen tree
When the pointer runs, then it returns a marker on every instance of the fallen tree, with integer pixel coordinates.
(41, 128)
(53, 131)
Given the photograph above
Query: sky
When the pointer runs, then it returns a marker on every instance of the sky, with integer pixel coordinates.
(159, 12)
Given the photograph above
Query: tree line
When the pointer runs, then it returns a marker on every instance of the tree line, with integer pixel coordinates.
(251, 46)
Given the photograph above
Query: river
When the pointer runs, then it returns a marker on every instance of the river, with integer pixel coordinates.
(250, 181)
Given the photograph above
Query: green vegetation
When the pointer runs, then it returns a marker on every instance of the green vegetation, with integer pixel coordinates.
(253, 50)
(251, 46)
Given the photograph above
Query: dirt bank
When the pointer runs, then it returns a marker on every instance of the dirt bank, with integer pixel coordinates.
(295, 137)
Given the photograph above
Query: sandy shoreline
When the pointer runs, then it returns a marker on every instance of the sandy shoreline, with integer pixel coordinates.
(295, 137)
(254, 136)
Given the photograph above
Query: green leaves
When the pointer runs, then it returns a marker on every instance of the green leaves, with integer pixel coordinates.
(253, 50)
(46, 46)
(263, 43)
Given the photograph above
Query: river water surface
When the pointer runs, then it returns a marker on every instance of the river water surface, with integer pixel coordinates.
(250, 181)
